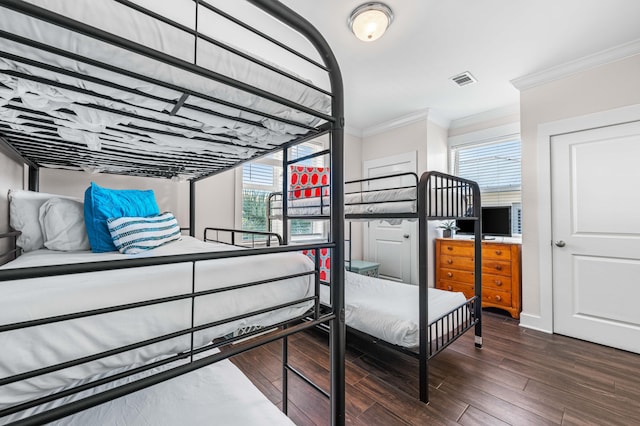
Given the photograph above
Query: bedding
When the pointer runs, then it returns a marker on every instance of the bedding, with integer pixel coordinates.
(389, 310)
(133, 235)
(62, 224)
(104, 121)
(32, 348)
(216, 394)
(24, 214)
(383, 201)
(101, 204)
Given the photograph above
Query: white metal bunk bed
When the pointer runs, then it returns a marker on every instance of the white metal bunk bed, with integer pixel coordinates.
(111, 86)
(385, 311)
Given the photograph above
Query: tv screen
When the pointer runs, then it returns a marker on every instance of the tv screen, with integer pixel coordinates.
(496, 221)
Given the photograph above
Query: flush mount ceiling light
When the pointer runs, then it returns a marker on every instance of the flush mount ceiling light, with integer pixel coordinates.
(369, 21)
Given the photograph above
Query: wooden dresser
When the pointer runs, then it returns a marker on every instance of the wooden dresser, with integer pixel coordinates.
(501, 272)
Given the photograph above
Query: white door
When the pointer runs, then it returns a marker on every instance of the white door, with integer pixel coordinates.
(392, 244)
(596, 235)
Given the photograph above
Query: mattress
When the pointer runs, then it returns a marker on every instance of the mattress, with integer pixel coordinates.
(389, 310)
(381, 201)
(32, 348)
(81, 116)
(216, 394)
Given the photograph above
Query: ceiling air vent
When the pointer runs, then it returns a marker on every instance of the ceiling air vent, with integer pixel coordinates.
(463, 79)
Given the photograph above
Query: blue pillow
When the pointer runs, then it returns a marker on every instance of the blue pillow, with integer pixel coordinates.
(137, 234)
(103, 203)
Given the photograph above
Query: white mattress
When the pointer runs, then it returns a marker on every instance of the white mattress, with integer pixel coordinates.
(389, 310)
(88, 125)
(216, 394)
(28, 349)
(382, 201)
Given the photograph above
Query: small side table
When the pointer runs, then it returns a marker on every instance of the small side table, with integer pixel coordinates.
(363, 267)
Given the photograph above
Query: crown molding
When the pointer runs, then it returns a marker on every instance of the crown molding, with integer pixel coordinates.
(572, 67)
(482, 117)
(396, 122)
(422, 115)
(439, 119)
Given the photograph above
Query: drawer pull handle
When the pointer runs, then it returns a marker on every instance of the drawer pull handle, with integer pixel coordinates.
(498, 267)
(449, 261)
(498, 283)
(498, 252)
(498, 298)
(449, 274)
(449, 248)
(449, 288)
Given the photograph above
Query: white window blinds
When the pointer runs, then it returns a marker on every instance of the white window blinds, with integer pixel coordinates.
(496, 167)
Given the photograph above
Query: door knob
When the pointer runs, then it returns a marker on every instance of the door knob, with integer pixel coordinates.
(560, 243)
(405, 236)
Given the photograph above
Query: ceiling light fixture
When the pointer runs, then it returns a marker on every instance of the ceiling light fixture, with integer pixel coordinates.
(369, 21)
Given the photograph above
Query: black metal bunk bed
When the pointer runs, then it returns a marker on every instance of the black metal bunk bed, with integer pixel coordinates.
(404, 196)
(139, 138)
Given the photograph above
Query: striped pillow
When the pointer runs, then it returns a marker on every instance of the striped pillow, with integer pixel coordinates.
(137, 234)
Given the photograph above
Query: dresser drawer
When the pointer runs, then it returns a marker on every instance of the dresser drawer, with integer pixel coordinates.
(456, 275)
(497, 282)
(456, 248)
(497, 267)
(496, 251)
(455, 286)
(457, 262)
(501, 271)
(496, 297)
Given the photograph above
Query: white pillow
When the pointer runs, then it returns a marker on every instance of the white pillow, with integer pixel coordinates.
(24, 212)
(62, 224)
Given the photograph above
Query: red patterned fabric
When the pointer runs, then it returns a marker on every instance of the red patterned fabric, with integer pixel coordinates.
(306, 182)
(325, 261)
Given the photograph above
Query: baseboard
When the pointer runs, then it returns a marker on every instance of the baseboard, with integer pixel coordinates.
(534, 322)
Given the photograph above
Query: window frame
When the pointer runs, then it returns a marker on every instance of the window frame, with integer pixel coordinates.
(319, 228)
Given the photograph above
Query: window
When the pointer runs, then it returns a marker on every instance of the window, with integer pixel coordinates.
(264, 176)
(496, 166)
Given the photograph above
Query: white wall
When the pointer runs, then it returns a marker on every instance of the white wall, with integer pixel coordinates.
(353, 171)
(11, 177)
(602, 88)
(422, 135)
(170, 196)
(216, 201)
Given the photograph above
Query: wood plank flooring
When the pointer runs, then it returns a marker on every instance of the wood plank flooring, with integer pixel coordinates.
(519, 377)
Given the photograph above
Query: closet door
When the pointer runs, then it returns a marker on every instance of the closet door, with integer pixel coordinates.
(596, 235)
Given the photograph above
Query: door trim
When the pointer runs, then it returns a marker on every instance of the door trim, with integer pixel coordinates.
(543, 319)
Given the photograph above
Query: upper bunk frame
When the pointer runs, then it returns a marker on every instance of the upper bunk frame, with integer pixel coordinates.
(33, 140)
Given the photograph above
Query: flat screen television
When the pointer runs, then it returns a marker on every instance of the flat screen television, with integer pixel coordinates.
(496, 222)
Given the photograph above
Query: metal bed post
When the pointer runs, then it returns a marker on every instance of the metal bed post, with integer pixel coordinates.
(34, 178)
(338, 328)
(285, 196)
(192, 208)
(478, 264)
(423, 229)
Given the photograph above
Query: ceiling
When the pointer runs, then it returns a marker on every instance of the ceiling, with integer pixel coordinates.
(407, 71)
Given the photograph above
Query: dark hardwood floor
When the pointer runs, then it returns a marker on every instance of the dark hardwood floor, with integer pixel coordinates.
(519, 377)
